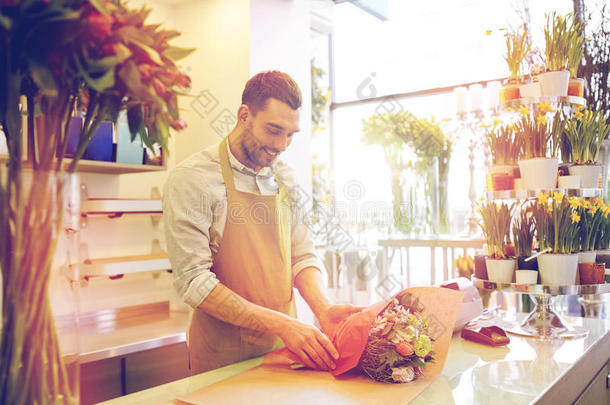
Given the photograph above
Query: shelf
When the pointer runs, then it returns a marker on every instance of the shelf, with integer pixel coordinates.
(525, 194)
(120, 206)
(94, 166)
(528, 101)
(124, 265)
(543, 289)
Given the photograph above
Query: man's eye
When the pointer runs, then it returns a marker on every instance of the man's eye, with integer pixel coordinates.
(273, 132)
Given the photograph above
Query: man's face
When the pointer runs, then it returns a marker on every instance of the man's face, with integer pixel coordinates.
(269, 132)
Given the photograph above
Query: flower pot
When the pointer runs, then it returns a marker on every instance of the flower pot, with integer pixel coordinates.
(502, 181)
(587, 257)
(500, 270)
(603, 256)
(523, 265)
(518, 184)
(576, 87)
(591, 273)
(539, 173)
(557, 269)
(480, 267)
(555, 83)
(526, 277)
(568, 182)
(509, 92)
(531, 89)
(589, 174)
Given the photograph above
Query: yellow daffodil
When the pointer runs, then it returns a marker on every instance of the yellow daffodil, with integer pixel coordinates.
(586, 204)
(549, 209)
(488, 32)
(593, 209)
(578, 115)
(575, 202)
(523, 111)
(579, 107)
(599, 202)
(484, 126)
(545, 107)
(543, 198)
(497, 122)
(541, 119)
(575, 218)
(558, 196)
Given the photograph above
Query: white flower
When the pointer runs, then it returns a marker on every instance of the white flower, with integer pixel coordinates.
(403, 374)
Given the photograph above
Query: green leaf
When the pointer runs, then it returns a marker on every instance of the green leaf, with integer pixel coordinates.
(100, 83)
(152, 53)
(110, 61)
(5, 22)
(114, 105)
(99, 6)
(135, 120)
(172, 106)
(43, 78)
(177, 53)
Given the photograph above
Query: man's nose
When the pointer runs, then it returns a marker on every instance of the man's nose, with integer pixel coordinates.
(281, 142)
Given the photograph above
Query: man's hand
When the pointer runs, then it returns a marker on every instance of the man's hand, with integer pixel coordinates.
(331, 316)
(312, 347)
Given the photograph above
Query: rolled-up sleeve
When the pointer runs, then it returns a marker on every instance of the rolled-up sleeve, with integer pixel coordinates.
(187, 215)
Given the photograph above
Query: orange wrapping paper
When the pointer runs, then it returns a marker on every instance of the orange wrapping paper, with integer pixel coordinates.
(274, 382)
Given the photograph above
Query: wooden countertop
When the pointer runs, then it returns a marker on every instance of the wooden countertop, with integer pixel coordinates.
(525, 371)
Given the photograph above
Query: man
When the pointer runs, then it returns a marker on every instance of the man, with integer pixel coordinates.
(237, 246)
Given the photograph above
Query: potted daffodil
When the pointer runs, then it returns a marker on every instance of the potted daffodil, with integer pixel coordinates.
(584, 134)
(557, 230)
(495, 224)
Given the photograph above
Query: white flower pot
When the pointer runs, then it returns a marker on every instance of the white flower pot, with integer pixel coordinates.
(557, 269)
(589, 174)
(554, 83)
(501, 270)
(568, 182)
(529, 90)
(539, 173)
(587, 257)
(526, 277)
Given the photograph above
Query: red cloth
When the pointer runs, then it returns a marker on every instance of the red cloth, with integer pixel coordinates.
(350, 338)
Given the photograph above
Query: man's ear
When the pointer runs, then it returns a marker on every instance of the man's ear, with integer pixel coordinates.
(243, 113)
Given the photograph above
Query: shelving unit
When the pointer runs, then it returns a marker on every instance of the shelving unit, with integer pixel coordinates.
(528, 101)
(120, 206)
(114, 266)
(94, 166)
(525, 194)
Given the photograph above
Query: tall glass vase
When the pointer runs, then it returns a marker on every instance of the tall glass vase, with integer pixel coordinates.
(40, 340)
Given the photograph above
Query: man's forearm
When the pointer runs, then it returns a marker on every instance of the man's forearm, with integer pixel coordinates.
(224, 304)
(310, 285)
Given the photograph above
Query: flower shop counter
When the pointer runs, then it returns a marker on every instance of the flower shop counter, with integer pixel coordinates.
(525, 371)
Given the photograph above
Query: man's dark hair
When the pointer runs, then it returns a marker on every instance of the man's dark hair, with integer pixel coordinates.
(271, 84)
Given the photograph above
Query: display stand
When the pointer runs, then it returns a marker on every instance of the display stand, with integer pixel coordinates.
(543, 322)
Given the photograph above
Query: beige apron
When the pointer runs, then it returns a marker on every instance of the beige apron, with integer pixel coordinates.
(253, 260)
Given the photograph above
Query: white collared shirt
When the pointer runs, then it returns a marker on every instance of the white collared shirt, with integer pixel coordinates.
(195, 211)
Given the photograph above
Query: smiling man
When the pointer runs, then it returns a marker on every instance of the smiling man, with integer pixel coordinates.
(237, 244)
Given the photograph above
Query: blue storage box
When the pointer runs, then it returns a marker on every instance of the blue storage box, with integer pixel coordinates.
(101, 146)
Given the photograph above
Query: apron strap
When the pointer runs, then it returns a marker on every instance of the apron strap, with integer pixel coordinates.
(225, 165)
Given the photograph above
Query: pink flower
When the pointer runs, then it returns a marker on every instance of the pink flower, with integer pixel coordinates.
(100, 25)
(403, 374)
(179, 124)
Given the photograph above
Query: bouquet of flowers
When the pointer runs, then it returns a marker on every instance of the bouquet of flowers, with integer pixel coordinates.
(395, 340)
(398, 346)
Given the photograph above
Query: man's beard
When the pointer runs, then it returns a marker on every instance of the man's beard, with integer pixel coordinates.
(253, 150)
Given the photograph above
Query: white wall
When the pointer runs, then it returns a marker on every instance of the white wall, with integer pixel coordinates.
(234, 39)
(279, 40)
